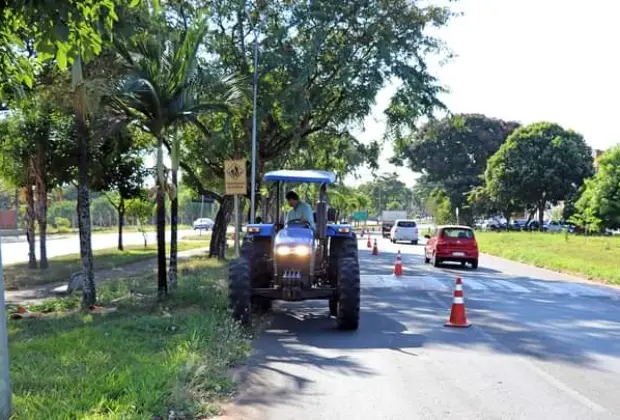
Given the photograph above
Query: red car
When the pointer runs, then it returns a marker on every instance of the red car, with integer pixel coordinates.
(451, 243)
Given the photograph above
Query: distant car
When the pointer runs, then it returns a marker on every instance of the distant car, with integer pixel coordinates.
(553, 226)
(517, 224)
(452, 243)
(404, 231)
(386, 228)
(532, 225)
(203, 224)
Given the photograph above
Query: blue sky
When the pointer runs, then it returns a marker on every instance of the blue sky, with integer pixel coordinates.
(527, 60)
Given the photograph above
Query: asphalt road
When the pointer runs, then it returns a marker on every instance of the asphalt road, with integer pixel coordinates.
(16, 252)
(542, 346)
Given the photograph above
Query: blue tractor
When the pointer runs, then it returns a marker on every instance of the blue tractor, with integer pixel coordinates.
(292, 262)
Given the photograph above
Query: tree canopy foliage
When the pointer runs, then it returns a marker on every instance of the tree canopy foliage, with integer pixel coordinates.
(538, 164)
(387, 190)
(599, 204)
(452, 153)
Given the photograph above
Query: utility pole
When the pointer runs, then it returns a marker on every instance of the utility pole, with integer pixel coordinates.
(5, 376)
(253, 175)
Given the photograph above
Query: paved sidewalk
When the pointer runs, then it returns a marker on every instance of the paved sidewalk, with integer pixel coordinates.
(35, 295)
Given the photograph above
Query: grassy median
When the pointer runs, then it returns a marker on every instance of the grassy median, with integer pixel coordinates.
(594, 257)
(139, 362)
(17, 276)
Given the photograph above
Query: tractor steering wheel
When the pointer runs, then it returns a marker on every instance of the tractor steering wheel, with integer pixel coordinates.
(302, 222)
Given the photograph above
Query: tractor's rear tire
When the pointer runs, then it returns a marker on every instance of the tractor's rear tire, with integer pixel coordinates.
(240, 291)
(348, 313)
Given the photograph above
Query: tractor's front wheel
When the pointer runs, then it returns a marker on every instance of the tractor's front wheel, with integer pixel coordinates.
(240, 291)
(262, 305)
(333, 307)
(348, 312)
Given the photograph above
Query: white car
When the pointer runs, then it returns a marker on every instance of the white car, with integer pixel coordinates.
(203, 224)
(404, 231)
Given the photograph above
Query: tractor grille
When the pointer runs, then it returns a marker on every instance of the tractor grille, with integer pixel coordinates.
(291, 274)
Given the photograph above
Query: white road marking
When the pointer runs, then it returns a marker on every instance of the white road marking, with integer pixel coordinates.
(553, 287)
(433, 283)
(512, 285)
(473, 284)
(587, 290)
(576, 395)
(443, 283)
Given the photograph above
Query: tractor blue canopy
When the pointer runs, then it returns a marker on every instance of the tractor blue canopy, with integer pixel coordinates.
(309, 176)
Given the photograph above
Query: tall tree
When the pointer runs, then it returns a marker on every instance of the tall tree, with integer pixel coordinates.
(119, 172)
(16, 167)
(69, 32)
(321, 66)
(539, 164)
(39, 151)
(600, 199)
(453, 152)
(164, 91)
(387, 189)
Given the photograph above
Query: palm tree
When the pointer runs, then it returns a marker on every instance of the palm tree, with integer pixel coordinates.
(163, 92)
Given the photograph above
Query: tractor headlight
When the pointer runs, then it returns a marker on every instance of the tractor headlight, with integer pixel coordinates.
(301, 251)
(283, 250)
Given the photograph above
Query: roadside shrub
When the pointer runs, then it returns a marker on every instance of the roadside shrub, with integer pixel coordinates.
(62, 222)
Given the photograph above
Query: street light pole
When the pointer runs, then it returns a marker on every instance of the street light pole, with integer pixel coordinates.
(5, 377)
(253, 179)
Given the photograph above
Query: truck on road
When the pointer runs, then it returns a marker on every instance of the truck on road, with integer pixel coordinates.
(388, 217)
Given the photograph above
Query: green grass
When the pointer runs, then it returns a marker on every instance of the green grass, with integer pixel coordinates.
(18, 276)
(596, 258)
(146, 358)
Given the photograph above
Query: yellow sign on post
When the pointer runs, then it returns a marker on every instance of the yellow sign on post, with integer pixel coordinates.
(235, 177)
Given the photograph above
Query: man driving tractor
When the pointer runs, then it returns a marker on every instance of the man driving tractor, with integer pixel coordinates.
(300, 210)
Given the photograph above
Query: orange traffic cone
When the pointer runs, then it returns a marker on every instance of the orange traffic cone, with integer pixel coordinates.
(398, 267)
(375, 250)
(458, 319)
(368, 243)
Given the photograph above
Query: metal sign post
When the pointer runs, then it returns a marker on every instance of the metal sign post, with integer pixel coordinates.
(236, 182)
(237, 225)
(5, 376)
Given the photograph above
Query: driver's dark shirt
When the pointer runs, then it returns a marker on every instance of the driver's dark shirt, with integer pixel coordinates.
(302, 211)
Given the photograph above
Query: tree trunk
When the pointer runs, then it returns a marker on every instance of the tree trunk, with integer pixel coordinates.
(121, 221)
(16, 208)
(42, 217)
(162, 281)
(541, 214)
(217, 247)
(89, 295)
(30, 221)
(466, 216)
(174, 214)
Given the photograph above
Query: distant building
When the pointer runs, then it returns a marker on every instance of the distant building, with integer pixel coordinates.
(596, 155)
